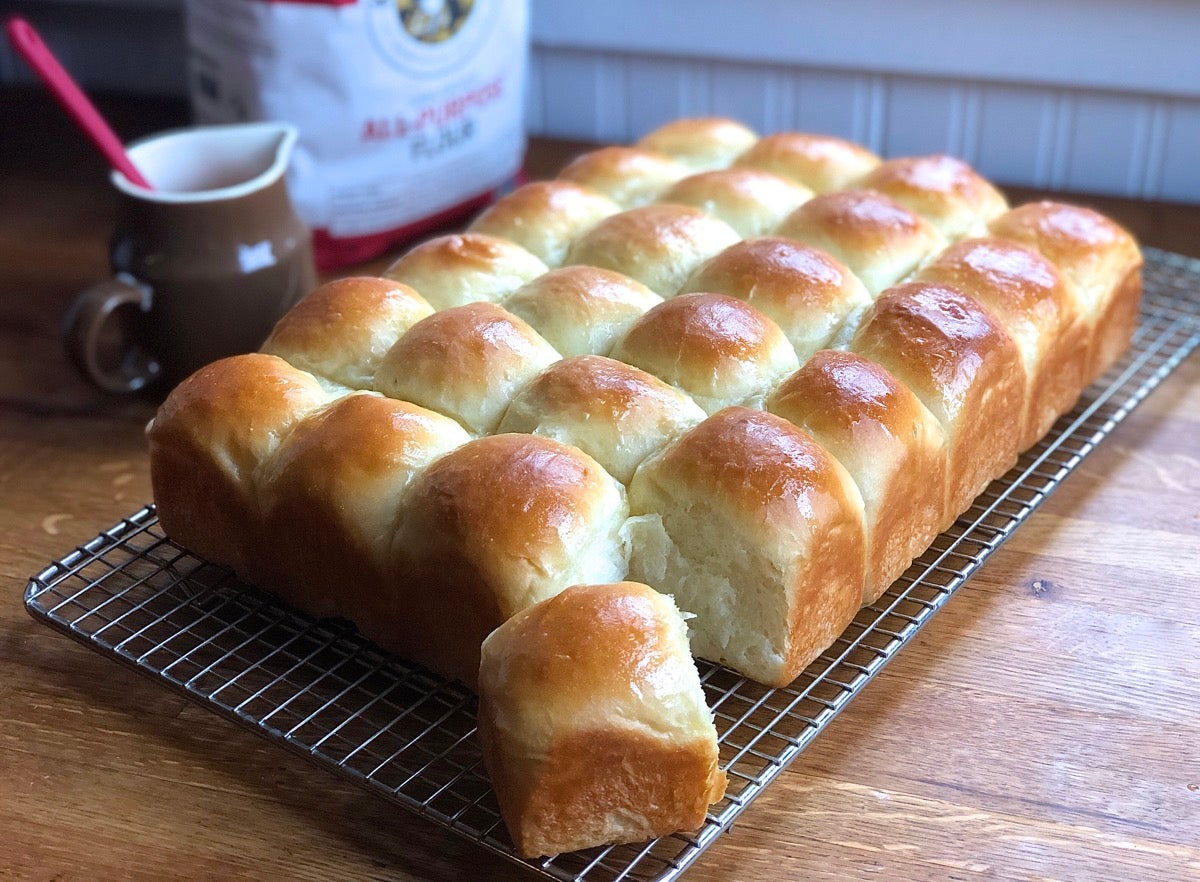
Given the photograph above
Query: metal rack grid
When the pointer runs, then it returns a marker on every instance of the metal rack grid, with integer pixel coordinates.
(320, 689)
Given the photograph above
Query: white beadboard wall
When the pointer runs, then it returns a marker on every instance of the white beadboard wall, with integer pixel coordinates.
(1095, 96)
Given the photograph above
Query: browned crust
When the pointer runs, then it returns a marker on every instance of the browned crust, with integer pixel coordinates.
(1115, 324)
(480, 526)
(820, 162)
(658, 245)
(207, 440)
(344, 327)
(544, 217)
(1029, 295)
(629, 176)
(874, 424)
(964, 366)
(589, 774)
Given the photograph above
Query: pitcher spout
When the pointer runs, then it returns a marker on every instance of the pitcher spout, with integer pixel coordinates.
(208, 163)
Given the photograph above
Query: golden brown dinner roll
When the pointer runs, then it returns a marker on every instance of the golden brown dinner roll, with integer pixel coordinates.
(593, 722)
(820, 162)
(702, 144)
(545, 217)
(963, 364)
(755, 529)
(611, 411)
(458, 269)
(945, 191)
(330, 498)
(879, 240)
(892, 446)
(750, 200)
(1098, 256)
(1040, 310)
(658, 245)
(717, 349)
(466, 362)
(629, 176)
(581, 310)
(491, 528)
(343, 329)
(807, 293)
(207, 442)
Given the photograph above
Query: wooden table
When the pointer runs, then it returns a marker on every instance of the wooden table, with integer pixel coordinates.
(1045, 724)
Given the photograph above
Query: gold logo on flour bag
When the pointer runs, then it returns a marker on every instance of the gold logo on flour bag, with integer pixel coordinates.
(432, 21)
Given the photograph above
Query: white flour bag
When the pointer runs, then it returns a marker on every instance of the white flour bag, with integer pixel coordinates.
(410, 111)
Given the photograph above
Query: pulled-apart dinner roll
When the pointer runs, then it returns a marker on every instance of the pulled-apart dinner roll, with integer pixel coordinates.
(629, 176)
(343, 329)
(755, 529)
(878, 239)
(209, 439)
(804, 290)
(465, 268)
(466, 362)
(1040, 310)
(820, 162)
(611, 411)
(717, 349)
(658, 245)
(491, 528)
(1099, 257)
(332, 492)
(581, 310)
(593, 721)
(945, 191)
(545, 217)
(750, 200)
(892, 446)
(963, 364)
(702, 144)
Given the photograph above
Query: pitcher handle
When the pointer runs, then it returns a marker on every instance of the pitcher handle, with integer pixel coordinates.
(90, 320)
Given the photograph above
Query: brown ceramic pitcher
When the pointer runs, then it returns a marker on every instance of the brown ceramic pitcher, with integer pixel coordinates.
(203, 264)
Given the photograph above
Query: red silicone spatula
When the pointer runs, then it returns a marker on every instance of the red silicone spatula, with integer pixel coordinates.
(37, 54)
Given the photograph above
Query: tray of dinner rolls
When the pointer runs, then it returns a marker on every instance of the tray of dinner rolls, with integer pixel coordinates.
(571, 530)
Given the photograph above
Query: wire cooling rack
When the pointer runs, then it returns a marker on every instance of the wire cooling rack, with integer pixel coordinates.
(320, 689)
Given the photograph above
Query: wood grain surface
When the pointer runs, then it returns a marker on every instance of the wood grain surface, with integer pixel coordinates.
(1045, 725)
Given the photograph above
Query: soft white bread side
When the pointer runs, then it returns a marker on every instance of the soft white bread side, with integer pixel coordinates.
(1039, 308)
(942, 189)
(820, 162)
(892, 446)
(880, 240)
(658, 245)
(545, 217)
(804, 290)
(611, 411)
(750, 200)
(719, 350)
(330, 497)
(343, 329)
(460, 269)
(466, 362)
(491, 528)
(629, 176)
(207, 442)
(593, 721)
(963, 364)
(1099, 257)
(702, 144)
(581, 310)
(753, 527)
